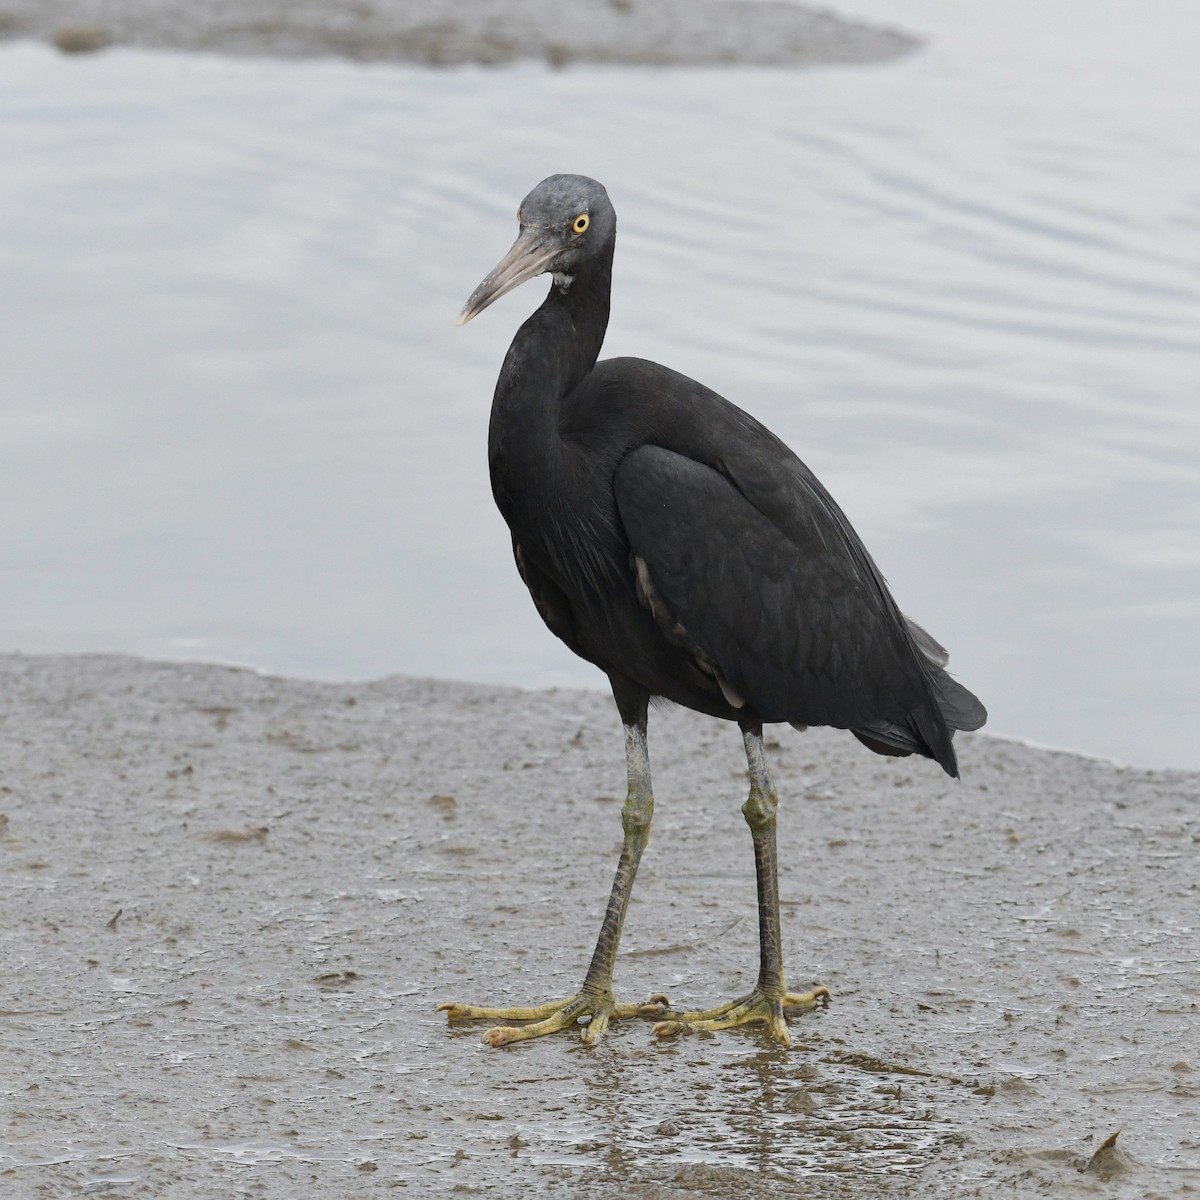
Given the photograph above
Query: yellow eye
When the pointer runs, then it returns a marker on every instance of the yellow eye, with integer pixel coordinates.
(580, 224)
(518, 216)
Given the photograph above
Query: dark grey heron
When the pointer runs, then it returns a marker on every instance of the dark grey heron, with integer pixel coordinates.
(669, 538)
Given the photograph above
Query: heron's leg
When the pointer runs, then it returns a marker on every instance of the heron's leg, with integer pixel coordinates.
(770, 999)
(595, 997)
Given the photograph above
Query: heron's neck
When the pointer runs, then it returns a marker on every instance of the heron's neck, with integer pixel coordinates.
(550, 356)
(574, 318)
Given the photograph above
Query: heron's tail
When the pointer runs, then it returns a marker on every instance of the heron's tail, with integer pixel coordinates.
(961, 709)
(929, 730)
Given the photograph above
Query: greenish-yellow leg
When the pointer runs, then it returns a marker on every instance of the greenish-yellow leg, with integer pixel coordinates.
(770, 1000)
(595, 998)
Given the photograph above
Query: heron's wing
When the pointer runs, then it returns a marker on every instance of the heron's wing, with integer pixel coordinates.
(752, 562)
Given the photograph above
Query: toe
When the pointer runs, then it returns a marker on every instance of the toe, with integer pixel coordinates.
(593, 1031)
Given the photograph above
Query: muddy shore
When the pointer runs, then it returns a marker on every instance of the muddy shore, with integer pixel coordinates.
(231, 903)
(643, 32)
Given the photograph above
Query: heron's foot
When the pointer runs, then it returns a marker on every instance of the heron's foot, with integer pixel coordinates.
(600, 1008)
(758, 1008)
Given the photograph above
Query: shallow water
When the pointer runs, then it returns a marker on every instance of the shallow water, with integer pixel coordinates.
(240, 425)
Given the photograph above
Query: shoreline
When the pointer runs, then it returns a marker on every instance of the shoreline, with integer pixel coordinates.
(652, 33)
(601, 690)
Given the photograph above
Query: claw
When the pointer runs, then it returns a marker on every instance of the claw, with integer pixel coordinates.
(454, 1012)
(652, 1006)
(498, 1036)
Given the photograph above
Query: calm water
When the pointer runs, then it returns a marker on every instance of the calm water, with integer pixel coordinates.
(238, 422)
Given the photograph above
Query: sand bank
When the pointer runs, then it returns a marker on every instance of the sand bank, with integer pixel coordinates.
(440, 32)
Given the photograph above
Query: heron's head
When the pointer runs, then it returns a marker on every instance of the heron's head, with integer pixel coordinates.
(566, 222)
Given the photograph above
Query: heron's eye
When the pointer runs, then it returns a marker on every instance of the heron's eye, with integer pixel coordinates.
(580, 224)
(518, 216)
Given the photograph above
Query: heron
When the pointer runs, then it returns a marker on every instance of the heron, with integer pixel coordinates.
(671, 539)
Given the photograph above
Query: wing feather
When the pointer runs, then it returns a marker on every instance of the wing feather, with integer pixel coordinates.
(757, 564)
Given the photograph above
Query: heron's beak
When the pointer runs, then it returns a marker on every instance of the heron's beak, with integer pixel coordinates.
(530, 255)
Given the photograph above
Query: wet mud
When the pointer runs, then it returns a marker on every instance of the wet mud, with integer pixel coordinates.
(445, 32)
(231, 903)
